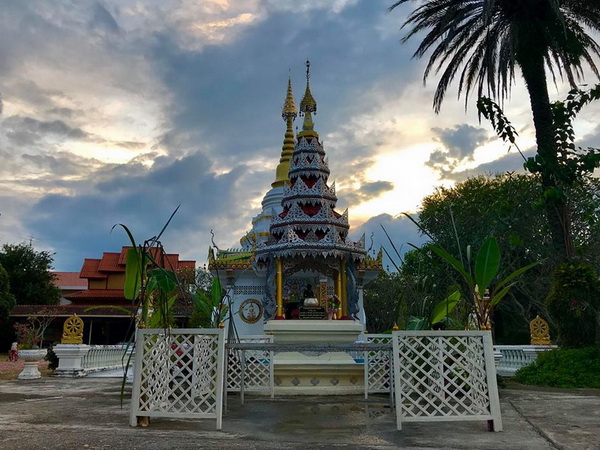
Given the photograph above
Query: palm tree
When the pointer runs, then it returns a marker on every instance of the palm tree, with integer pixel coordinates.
(482, 41)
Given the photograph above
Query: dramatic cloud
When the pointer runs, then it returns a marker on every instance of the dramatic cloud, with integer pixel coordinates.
(458, 146)
(118, 111)
(367, 191)
(143, 198)
(511, 162)
(400, 230)
(26, 130)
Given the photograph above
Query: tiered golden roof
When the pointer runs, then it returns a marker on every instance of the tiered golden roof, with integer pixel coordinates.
(230, 259)
(370, 263)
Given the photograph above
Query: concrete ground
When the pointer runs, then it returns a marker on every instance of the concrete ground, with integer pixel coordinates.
(85, 413)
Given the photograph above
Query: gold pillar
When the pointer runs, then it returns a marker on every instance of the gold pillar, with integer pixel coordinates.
(337, 290)
(279, 266)
(344, 299)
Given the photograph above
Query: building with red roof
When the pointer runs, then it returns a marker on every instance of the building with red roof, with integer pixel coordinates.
(96, 295)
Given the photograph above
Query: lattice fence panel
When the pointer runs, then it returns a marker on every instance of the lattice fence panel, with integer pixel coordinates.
(178, 374)
(258, 367)
(445, 376)
(378, 366)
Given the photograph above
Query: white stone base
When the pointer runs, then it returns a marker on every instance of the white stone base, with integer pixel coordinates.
(70, 357)
(334, 373)
(321, 331)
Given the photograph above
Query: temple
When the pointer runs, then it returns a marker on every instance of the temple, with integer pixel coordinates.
(296, 262)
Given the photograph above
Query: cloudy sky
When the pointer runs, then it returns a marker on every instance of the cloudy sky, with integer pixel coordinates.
(117, 111)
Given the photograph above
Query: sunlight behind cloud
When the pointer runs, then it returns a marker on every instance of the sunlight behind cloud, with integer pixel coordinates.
(412, 181)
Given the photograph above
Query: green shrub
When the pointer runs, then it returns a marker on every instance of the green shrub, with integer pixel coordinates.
(52, 359)
(573, 302)
(567, 368)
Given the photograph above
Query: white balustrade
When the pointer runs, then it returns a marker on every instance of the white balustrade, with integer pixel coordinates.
(75, 360)
(104, 357)
(516, 356)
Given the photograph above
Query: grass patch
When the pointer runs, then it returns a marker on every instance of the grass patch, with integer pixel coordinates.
(566, 368)
(11, 370)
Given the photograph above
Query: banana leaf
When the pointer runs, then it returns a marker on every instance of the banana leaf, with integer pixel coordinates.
(487, 263)
(443, 308)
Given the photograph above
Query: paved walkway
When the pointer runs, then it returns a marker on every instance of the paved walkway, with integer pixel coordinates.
(86, 413)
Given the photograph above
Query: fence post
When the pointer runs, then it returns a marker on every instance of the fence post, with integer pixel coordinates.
(490, 369)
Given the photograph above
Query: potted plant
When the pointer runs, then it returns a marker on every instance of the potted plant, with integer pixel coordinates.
(334, 304)
(30, 335)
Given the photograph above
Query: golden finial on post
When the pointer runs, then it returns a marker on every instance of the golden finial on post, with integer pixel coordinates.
(395, 327)
(72, 330)
(308, 103)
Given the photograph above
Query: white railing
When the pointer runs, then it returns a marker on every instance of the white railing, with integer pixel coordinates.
(105, 357)
(516, 356)
(78, 360)
(259, 373)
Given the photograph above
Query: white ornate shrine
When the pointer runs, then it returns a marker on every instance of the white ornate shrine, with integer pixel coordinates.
(297, 268)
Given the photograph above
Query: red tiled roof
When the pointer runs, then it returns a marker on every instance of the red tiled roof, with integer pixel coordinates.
(69, 280)
(171, 262)
(181, 308)
(69, 310)
(97, 294)
(187, 264)
(110, 263)
(90, 269)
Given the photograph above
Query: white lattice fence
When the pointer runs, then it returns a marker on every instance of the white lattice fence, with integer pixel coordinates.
(378, 366)
(445, 376)
(179, 374)
(258, 369)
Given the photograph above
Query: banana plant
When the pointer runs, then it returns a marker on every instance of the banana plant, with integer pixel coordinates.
(487, 264)
(212, 308)
(148, 282)
(439, 313)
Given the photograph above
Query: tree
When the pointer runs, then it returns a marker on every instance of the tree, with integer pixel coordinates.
(385, 304)
(195, 279)
(483, 40)
(574, 304)
(507, 207)
(30, 276)
(7, 303)
(7, 300)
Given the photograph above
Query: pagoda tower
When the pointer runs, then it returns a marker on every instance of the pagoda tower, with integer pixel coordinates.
(271, 203)
(298, 242)
(309, 235)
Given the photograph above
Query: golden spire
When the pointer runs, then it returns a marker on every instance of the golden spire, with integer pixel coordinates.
(288, 113)
(289, 106)
(308, 105)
